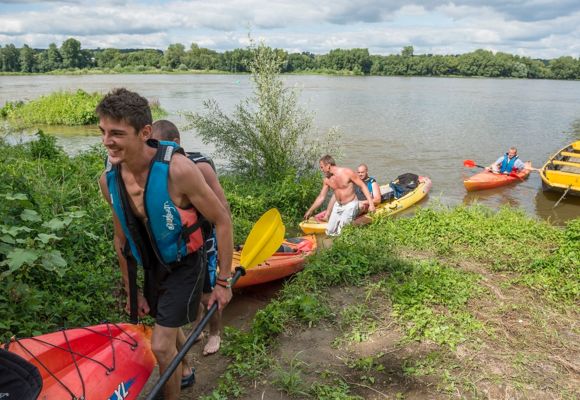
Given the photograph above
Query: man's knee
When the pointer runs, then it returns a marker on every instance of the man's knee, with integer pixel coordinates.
(164, 343)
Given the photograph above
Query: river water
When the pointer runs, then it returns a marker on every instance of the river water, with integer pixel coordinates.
(423, 125)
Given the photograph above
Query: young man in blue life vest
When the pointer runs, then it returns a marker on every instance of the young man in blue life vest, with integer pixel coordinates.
(341, 181)
(372, 185)
(166, 130)
(158, 198)
(508, 163)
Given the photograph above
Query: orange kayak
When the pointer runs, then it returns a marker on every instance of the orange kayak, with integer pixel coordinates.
(108, 361)
(289, 259)
(489, 180)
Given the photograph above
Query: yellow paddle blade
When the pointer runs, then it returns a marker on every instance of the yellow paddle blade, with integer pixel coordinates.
(264, 239)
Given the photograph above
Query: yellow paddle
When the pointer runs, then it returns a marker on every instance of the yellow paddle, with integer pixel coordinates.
(264, 239)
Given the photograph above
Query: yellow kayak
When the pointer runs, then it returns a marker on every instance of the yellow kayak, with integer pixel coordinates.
(387, 208)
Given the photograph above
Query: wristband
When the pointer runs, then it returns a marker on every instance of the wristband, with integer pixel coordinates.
(227, 283)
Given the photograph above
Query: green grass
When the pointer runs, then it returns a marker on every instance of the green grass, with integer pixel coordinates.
(60, 108)
(429, 298)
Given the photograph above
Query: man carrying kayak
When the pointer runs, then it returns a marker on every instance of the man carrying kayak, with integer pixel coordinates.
(508, 163)
(166, 130)
(159, 201)
(341, 181)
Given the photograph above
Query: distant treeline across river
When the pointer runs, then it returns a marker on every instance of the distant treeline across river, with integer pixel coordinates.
(70, 57)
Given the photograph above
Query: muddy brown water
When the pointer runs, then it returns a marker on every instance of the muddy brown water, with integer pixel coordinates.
(395, 125)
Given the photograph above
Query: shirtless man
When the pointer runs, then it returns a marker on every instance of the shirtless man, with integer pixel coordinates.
(166, 130)
(155, 194)
(341, 181)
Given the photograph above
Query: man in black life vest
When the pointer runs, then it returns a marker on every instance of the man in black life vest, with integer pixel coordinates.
(166, 130)
(158, 196)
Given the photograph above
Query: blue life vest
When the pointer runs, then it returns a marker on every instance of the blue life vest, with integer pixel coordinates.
(173, 232)
(507, 166)
(369, 181)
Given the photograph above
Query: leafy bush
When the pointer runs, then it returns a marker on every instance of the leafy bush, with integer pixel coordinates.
(268, 135)
(57, 265)
(61, 108)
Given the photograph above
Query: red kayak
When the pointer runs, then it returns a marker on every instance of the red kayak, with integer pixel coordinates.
(288, 260)
(101, 362)
(490, 180)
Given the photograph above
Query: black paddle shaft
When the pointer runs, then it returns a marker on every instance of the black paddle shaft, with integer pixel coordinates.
(240, 271)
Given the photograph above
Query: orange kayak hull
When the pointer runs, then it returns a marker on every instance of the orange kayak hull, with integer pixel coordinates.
(280, 265)
(113, 361)
(489, 180)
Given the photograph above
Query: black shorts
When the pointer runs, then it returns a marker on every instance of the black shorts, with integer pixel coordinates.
(174, 297)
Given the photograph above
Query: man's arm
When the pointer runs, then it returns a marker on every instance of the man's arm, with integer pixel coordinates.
(187, 179)
(363, 187)
(318, 201)
(213, 182)
(376, 193)
(329, 207)
(119, 241)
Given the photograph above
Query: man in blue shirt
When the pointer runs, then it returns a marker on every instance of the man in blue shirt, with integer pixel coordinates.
(508, 163)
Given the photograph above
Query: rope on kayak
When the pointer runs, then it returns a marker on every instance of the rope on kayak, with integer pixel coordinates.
(133, 343)
(72, 395)
(76, 364)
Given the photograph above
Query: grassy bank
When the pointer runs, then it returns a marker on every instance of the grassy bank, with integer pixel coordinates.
(460, 303)
(60, 108)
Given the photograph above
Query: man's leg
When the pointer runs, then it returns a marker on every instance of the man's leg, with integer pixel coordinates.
(186, 369)
(215, 327)
(334, 220)
(163, 344)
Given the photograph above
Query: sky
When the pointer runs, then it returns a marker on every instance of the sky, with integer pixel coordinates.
(533, 28)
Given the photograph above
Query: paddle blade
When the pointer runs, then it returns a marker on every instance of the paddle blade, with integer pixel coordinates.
(264, 239)
(469, 163)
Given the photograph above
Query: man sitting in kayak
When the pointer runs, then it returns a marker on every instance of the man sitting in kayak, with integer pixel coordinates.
(508, 163)
(160, 202)
(166, 130)
(342, 181)
(372, 185)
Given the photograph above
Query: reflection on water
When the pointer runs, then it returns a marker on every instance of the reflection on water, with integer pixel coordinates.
(427, 126)
(567, 209)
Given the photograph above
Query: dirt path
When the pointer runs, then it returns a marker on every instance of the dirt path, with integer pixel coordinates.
(528, 349)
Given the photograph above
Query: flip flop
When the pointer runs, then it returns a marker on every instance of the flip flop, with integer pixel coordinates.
(189, 380)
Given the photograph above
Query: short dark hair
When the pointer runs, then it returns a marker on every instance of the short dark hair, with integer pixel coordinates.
(165, 130)
(327, 159)
(123, 105)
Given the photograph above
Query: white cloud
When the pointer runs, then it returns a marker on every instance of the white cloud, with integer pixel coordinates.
(537, 28)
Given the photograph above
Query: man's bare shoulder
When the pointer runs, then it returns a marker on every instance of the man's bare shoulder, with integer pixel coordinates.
(183, 172)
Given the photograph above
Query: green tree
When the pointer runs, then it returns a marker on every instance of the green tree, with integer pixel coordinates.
(407, 51)
(107, 58)
(200, 58)
(565, 68)
(54, 57)
(10, 58)
(72, 57)
(174, 55)
(26, 59)
(267, 135)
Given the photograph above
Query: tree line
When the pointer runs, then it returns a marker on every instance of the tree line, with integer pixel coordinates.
(176, 57)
